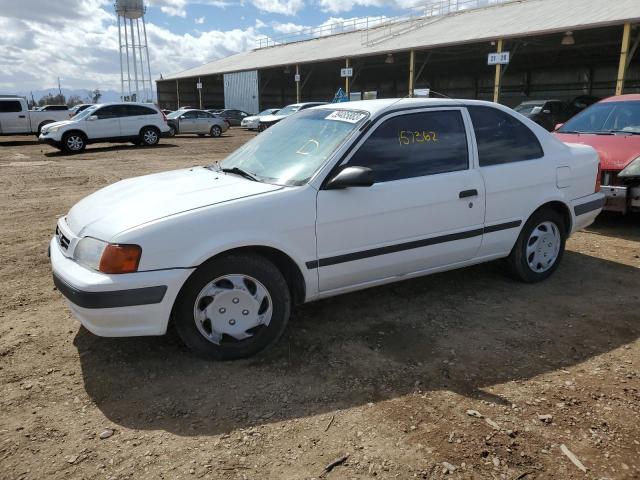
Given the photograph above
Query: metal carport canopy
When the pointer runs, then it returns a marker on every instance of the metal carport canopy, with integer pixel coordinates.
(510, 20)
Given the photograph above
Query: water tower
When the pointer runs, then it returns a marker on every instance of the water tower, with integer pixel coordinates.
(135, 67)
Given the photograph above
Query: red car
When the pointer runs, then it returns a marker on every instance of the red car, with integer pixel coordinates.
(612, 127)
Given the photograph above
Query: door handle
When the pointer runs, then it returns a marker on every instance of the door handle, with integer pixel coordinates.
(468, 193)
(22, 116)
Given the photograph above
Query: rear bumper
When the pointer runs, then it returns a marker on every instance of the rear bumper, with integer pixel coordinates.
(586, 209)
(621, 198)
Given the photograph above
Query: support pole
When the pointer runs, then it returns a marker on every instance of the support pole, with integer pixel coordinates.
(135, 63)
(126, 47)
(412, 65)
(146, 46)
(177, 95)
(144, 86)
(496, 84)
(346, 80)
(200, 93)
(120, 55)
(624, 51)
(297, 83)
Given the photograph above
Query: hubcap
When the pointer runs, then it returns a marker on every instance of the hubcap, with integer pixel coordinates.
(75, 142)
(216, 131)
(150, 137)
(233, 306)
(543, 247)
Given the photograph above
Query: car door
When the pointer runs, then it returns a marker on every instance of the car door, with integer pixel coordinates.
(13, 119)
(133, 118)
(105, 122)
(189, 122)
(424, 211)
(510, 160)
(204, 121)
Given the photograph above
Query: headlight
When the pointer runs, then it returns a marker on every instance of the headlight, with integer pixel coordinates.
(53, 129)
(631, 170)
(107, 257)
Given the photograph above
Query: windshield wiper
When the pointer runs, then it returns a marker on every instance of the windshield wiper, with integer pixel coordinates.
(241, 172)
(624, 131)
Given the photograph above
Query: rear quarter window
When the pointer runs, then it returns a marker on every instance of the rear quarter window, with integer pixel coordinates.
(8, 106)
(502, 138)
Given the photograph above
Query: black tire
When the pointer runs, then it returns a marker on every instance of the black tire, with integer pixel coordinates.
(216, 131)
(172, 131)
(149, 136)
(40, 128)
(257, 267)
(74, 142)
(518, 263)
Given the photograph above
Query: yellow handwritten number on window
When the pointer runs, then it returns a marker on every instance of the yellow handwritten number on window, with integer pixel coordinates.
(407, 137)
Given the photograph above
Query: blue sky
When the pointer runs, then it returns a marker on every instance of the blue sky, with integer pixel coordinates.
(77, 40)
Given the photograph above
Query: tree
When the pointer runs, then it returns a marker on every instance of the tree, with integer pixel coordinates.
(74, 100)
(50, 99)
(96, 95)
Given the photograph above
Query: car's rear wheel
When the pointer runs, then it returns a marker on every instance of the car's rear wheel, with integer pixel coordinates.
(216, 131)
(74, 142)
(539, 248)
(233, 307)
(149, 136)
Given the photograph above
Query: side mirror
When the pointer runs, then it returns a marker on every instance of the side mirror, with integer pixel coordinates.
(558, 126)
(92, 118)
(546, 112)
(351, 177)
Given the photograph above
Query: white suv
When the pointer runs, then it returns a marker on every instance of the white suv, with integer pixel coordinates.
(142, 124)
(330, 200)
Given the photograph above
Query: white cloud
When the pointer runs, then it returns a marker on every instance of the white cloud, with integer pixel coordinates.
(199, 20)
(283, 7)
(178, 8)
(286, 28)
(337, 6)
(81, 46)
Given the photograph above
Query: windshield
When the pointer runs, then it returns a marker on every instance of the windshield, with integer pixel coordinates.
(289, 109)
(175, 114)
(291, 151)
(268, 111)
(86, 112)
(529, 107)
(605, 118)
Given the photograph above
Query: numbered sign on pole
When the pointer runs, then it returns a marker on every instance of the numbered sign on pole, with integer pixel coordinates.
(346, 72)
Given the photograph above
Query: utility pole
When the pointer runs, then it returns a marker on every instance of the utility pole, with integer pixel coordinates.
(59, 88)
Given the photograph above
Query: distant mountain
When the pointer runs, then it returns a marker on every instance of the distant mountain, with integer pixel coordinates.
(85, 95)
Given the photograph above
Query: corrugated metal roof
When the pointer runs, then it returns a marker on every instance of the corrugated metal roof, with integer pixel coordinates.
(517, 19)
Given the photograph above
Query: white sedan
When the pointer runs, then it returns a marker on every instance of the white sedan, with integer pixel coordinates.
(252, 122)
(339, 198)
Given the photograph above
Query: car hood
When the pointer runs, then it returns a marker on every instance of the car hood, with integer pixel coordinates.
(136, 201)
(252, 118)
(58, 124)
(616, 151)
(273, 118)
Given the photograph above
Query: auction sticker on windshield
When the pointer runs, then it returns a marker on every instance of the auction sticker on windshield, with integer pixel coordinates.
(346, 116)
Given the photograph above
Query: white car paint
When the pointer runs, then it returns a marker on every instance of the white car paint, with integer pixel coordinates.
(21, 120)
(253, 121)
(183, 218)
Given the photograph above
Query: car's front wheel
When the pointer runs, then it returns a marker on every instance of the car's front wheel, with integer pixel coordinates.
(74, 142)
(216, 131)
(540, 246)
(149, 136)
(172, 131)
(233, 307)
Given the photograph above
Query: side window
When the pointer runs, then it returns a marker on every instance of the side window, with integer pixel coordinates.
(110, 111)
(136, 110)
(502, 138)
(204, 115)
(415, 145)
(190, 115)
(10, 106)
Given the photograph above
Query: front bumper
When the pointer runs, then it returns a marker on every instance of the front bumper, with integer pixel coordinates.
(249, 125)
(49, 139)
(621, 198)
(124, 305)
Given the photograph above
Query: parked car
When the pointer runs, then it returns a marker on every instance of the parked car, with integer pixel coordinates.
(253, 121)
(234, 117)
(546, 113)
(78, 108)
(612, 127)
(334, 199)
(270, 120)
(196, 121)
(580, 103)
(141, 124)
(17, 119)
(166, 112)
(48, 108)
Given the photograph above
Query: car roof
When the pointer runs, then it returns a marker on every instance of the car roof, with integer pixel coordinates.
(376, 106)
(622, 98)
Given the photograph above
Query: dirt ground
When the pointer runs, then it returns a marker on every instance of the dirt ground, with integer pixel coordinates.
(384, 376)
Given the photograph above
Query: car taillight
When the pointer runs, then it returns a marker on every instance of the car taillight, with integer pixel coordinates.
(164, 117)
(598, 178)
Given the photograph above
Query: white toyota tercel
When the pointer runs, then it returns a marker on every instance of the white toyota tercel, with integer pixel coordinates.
(334, 199)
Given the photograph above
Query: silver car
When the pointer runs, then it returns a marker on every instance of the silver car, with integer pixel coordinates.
(196, 121)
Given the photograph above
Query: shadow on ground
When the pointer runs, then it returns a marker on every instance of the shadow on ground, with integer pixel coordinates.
(18, 143)
(611, 224)
(462, 331)
(111, 148)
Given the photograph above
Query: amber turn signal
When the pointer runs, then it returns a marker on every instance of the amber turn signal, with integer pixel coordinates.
(120, 258)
